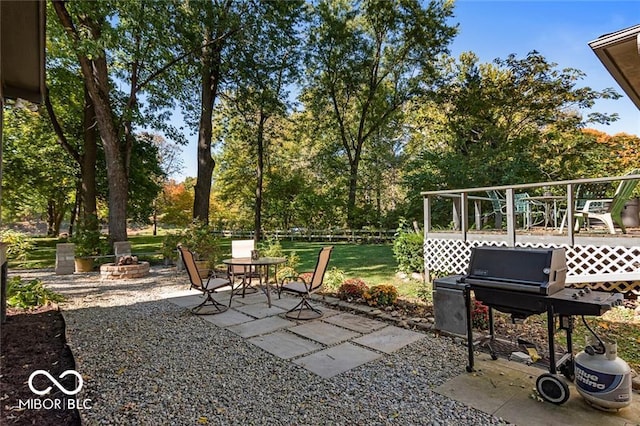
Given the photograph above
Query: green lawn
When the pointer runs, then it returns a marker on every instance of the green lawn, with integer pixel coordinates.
(374, 263)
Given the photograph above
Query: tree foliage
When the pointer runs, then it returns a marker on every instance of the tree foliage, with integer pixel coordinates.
(119, 40)
(38, 177)
(175, 204)
(366, 60)
(512, 121)
(378, 114)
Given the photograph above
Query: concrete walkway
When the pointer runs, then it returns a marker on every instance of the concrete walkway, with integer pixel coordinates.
(507, 390)
(330, 345)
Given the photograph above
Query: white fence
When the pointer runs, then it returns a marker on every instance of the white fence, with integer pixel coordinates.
(372, 236)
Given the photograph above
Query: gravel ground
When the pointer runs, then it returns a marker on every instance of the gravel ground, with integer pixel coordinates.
(146, 361)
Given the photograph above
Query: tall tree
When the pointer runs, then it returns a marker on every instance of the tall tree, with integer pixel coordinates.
(205, 32)
(366, 60)
(511, 121)
(73, 119)
(118, 40)
(267, 66)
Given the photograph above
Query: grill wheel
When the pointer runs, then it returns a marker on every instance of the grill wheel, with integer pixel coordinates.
(552, 389)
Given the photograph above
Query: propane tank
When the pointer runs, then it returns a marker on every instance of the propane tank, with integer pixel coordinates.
(603, 379)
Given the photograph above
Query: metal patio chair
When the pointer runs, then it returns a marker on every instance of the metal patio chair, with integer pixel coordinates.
(523, 206)
(207, 288)
(304, 310)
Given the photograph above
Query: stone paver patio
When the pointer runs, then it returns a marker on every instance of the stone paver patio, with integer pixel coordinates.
(327, 346)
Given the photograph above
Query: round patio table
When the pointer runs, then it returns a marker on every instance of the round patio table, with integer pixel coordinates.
(261, 265)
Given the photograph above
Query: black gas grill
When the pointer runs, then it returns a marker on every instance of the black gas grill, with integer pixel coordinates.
(525, 282)
(536, 271)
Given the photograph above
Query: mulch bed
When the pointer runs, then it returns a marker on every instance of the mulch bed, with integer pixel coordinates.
(34, 340)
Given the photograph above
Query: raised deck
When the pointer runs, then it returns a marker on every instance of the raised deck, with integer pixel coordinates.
(594, 256)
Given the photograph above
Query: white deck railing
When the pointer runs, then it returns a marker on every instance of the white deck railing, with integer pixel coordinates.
(590, 257)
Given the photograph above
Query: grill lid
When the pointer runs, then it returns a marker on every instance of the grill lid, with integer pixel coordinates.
(541, 270)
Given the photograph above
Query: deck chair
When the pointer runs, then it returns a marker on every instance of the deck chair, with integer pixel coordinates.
(522, 207)
(304, 310)
(242, 249)
(499, 206)
(210, 305)
(609, 211)
(585, 192)
(528, 209)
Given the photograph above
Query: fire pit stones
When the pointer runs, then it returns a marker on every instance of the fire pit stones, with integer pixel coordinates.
(127, 267)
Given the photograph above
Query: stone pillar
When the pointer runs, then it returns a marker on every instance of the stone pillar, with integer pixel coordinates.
(65, 254)
(121, 248)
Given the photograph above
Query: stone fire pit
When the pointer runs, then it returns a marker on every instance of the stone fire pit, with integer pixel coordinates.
(127, 267)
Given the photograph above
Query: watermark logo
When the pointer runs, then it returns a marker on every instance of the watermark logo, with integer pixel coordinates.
(55, 382)
(55, 403)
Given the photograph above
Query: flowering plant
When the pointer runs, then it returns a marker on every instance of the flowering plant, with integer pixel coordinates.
(479, 316)
(306, 277)
(353, 288)
(381, 295)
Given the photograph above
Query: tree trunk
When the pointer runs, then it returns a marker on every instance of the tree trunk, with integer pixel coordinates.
(89, 159)
(205, 161)
(210, 79)
(50, 217)
(96, 78)
(353, 189)
(118, 192)
(259, 173)
(76, 208)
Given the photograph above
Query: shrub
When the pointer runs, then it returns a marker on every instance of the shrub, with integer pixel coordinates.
(88, 243)
(88, 240)
(381, 295)
(18, 244)
(408, 250)
(293, 260)
(333, 279)
(169, 245)
(289, 273)
(353, 288)
(199, 238)
(479, 316)
(271, 248)
(31, 294)
(286, 272)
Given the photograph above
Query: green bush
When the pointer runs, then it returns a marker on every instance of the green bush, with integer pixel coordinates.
(381, 295)
(286, 273)
(271, 248)
(18, 244)
(408, 250)
(169, 246)
(88, 243)
(88, 240)
(31, 294)
(197, 237)
(353, 288)
(333, 279)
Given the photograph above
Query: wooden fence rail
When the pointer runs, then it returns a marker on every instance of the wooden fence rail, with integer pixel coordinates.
(330, 235)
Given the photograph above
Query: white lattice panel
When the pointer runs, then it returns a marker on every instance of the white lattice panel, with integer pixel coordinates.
(452, 256)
